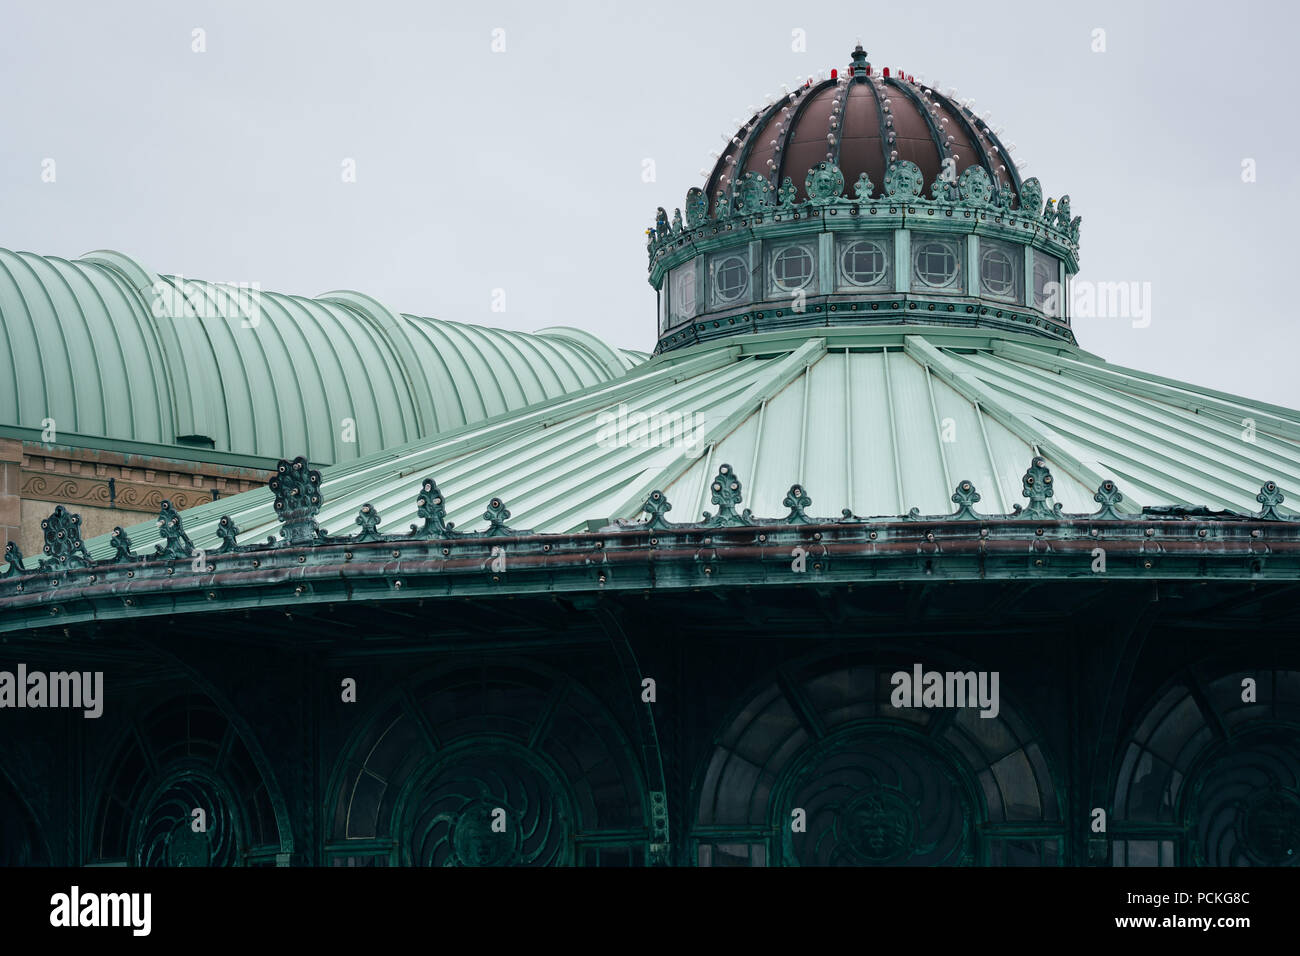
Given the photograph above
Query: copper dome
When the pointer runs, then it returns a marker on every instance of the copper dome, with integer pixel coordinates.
(861, 120)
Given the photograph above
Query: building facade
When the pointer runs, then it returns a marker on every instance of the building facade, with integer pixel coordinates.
(870, 564)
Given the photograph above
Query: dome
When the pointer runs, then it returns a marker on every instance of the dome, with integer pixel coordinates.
(862, 119)
(864, 199)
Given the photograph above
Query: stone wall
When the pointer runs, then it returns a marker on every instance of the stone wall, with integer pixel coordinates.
(107, 488)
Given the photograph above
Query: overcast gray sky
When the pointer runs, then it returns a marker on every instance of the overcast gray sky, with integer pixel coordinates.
(521, 170)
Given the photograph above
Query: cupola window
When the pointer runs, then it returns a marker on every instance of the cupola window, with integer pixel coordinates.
(1047, 294)
(728, 279)
(999, 271)
(793, 268)
(937, 263)
(864, 262)
(681, 302)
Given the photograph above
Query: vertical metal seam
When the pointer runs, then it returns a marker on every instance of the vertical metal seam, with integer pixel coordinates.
(934, 412)
(993, 466)
(893, 433)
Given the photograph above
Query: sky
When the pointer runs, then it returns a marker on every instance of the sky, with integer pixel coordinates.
(487, 162)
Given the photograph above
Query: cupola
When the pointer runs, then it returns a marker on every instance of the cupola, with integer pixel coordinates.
(866, 197)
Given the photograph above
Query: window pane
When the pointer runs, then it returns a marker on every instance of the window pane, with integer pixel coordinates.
(793, 268)
(937, 263)
(864, 262)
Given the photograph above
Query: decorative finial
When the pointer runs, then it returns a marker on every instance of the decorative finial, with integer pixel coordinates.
(430, 506)
(297, 500)
(860, 65)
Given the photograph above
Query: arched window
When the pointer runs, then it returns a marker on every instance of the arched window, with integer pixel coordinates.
(877, 785)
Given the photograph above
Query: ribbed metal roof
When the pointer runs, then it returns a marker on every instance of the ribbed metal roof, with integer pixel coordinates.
(107, 348)
(878, 421)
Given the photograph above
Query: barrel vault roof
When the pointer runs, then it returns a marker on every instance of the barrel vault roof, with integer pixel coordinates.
(876, 421)
(108, 349)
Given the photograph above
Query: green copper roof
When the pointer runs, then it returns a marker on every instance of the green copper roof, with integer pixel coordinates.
(106, 348)
(875, 421)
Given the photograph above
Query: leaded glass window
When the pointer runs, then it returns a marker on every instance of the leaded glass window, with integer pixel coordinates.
(1046, 272)
(793, 267)
(728, 278)
(864, 263)
(681, 301)
(937, 262)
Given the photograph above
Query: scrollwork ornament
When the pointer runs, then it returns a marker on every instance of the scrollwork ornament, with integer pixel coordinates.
(176, 543)
(1108, 496)
(63, 545)
(661, 223)
(228, 532)
(297, 500)
(432, 508)
(1037, 487)
(368, 520)
(121, 546)
(965, 497)
(656, 506)
(798, 501)
(1063, 215)
(14, 556)
(1270, 496)
(726, 494)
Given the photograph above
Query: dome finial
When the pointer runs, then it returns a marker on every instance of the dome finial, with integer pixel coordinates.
(860, 65)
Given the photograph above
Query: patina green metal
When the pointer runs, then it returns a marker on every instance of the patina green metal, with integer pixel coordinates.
(965, 497)
(431, 509)
(1270, 496)
(496, 515)
(14, 559)
(228, 532)
(1108, 496)
(1037, 487)
(121, 543)
(63, 545)
(176, 543)
(368, 520)
(824, 184)
(988, 201)
(656, 506)
(297, 500)
(214, 372)
(796, 499)
(726, 494)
